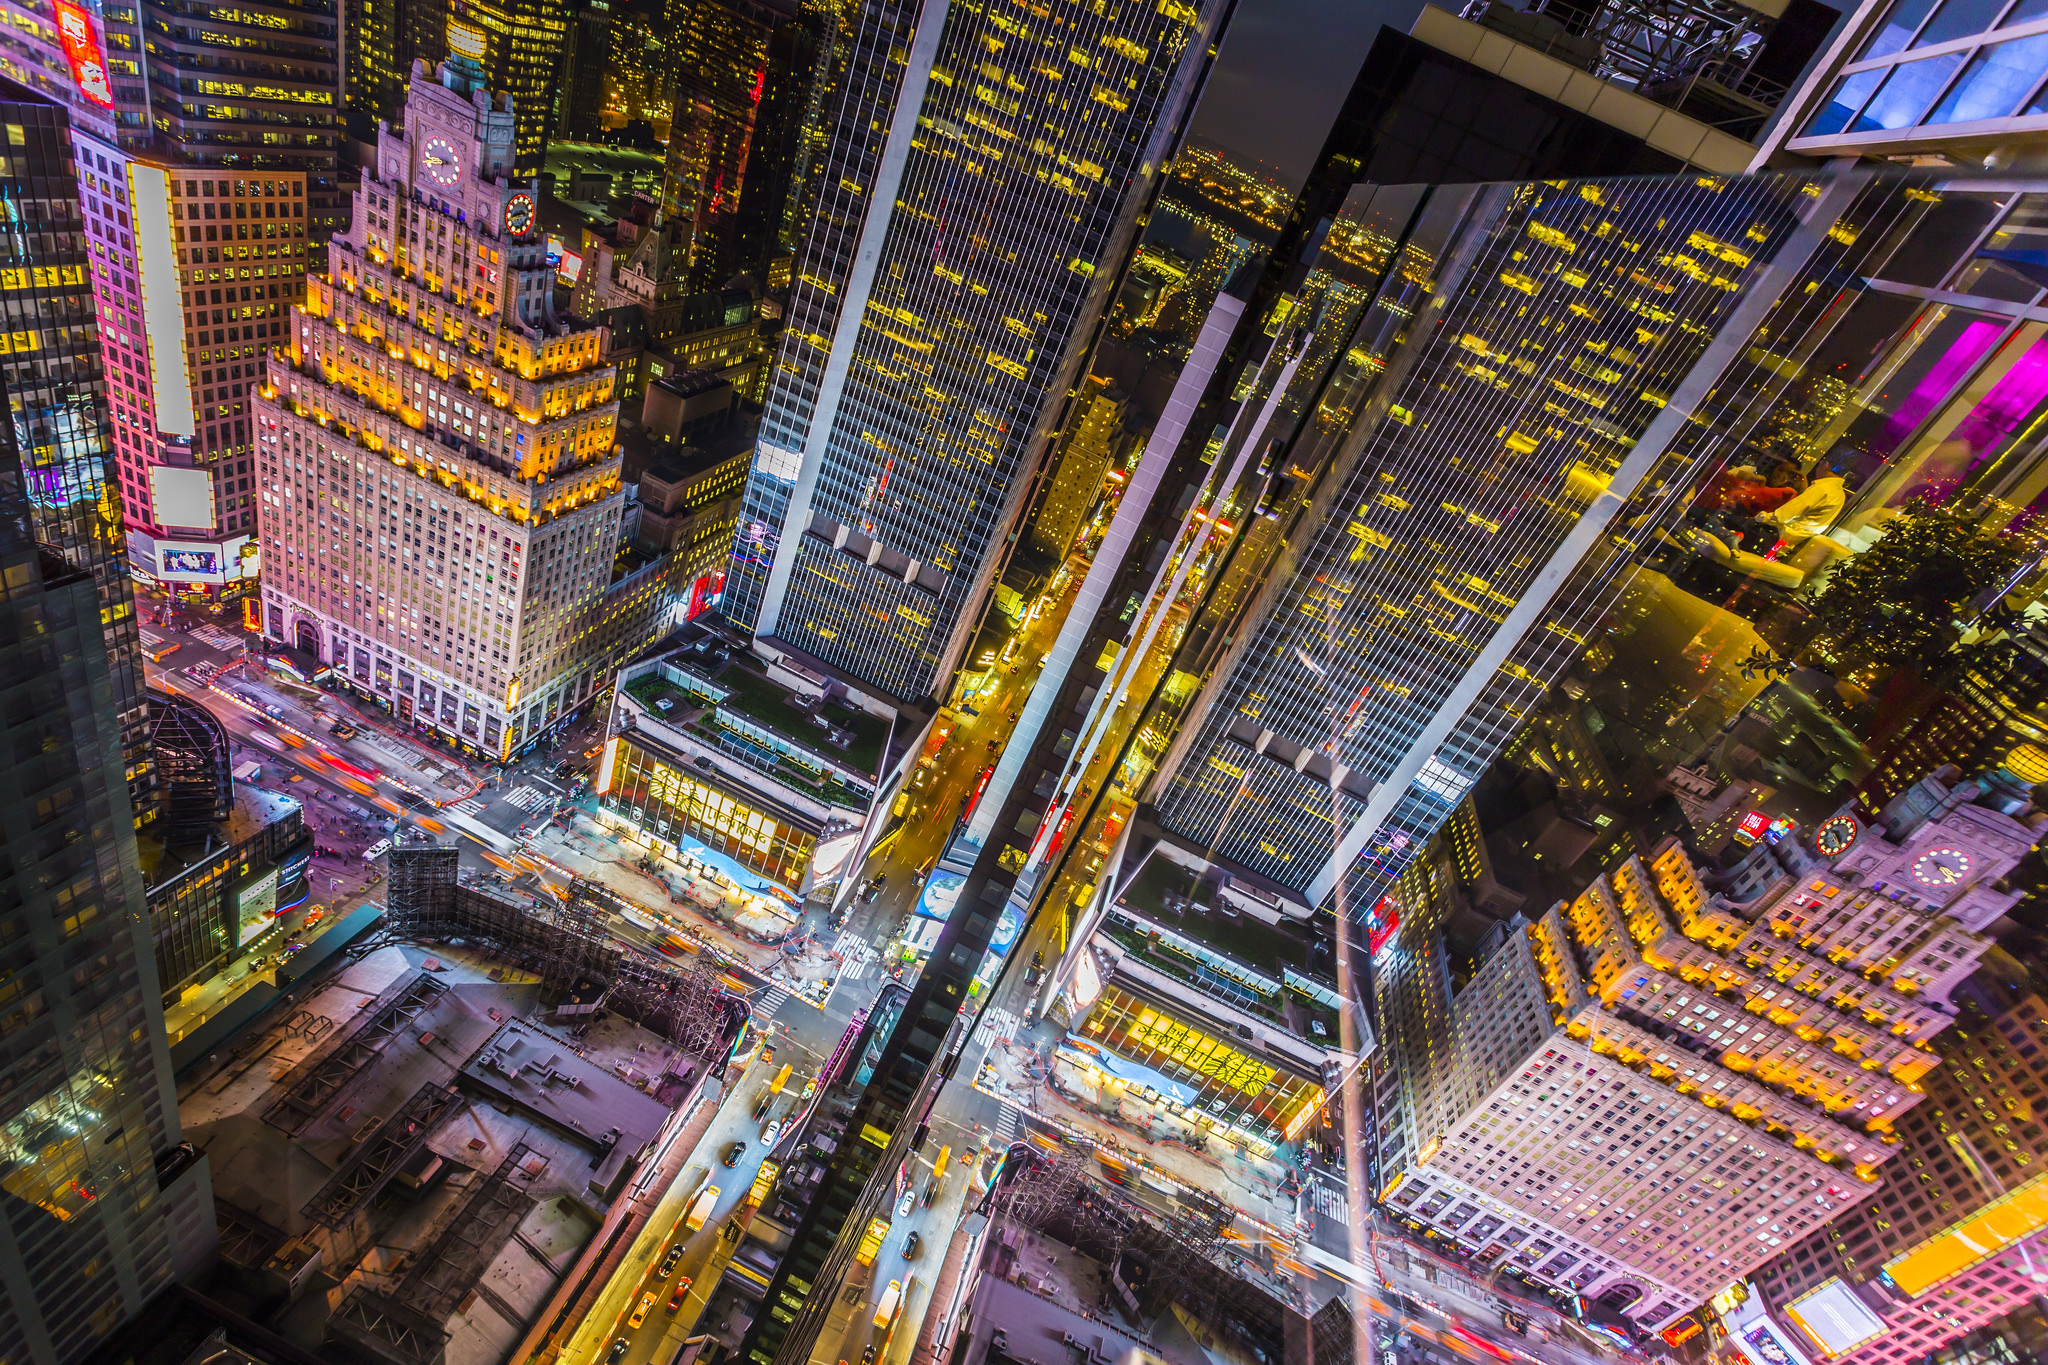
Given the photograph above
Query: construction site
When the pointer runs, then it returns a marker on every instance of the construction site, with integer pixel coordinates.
(420, 1157)
(1071, 1269)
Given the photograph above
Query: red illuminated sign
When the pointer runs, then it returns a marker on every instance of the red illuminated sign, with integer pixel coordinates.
(1752, 827)
(1385, 919)
(82, 49)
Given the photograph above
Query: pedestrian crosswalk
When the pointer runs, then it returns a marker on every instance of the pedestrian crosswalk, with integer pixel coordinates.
(527, 798)
(473, 806)
(216, 637)
(1329, 1198)
(996, 1024)
(768, 1002)
(1007, 1124)
(855, 954)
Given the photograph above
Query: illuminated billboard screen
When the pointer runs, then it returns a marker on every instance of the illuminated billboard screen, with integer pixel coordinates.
(82, 49)
(255, 907)
(189, 563)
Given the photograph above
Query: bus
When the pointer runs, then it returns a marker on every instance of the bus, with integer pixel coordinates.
(764, 1180)
(886, 1309)
(701, 1210)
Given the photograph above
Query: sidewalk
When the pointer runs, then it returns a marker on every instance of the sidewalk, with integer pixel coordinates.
(1017, 1073)
(741, 925)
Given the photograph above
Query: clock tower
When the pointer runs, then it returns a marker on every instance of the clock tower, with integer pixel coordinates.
(440, 498)
(456, 156)
(1941, 845)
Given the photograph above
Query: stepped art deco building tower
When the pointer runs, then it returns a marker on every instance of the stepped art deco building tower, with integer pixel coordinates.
(1658, 1088)
(440, 501)
(965, 239)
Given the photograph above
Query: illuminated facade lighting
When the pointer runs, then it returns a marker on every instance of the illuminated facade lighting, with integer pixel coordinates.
(911, 388)
(440, 492)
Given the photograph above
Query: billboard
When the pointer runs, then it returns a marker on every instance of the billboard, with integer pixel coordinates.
(828, 859)
(191, 563)
(941, 893)
(163, 308)
(87, 58)
(1835, 1319)
(1086, 985)
(255, 907)
(180, 497)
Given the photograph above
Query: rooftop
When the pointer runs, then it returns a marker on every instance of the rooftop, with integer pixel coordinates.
(1177, 922)
(527, 1066)
(813, 739)
(255, 810)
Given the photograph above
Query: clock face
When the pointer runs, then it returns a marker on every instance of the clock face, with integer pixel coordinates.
(1836, 835)
(519, 214)
(443, 163)
(1941, 866)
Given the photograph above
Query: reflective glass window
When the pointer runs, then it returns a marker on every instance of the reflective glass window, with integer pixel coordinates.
(1906, 93)
(1995, 81)
(1897, 29)
(1959, 19)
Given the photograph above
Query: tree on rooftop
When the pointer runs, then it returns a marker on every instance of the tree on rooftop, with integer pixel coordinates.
(1898, 602)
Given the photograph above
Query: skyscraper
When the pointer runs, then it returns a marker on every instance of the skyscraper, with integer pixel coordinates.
(196, 271)
(520, 45)
(1436, 594)
(439, 491)
(102, 1204)
(717, 55)
(940, 295)
(1656, 1089)
(55, 368)
(252, 96)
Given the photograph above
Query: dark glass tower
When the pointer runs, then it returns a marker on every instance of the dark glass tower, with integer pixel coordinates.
(971, 208)
(99, 1201)
(718, 56)
(56, 389)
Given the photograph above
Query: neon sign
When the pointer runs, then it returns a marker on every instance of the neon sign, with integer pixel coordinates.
(82, 49)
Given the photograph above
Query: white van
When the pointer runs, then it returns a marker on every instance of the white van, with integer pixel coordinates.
(376, 850)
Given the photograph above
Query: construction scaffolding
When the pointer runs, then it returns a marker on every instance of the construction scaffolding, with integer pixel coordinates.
(385, 1329)
(451, 1267)
(1183, 1259)
(318, 1081)
(365, 1172)
(581, 968)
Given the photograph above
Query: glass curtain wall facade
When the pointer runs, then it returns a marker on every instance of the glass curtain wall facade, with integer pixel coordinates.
(967, 202)
(661, 798)
(52, 363)
(1538, 353)
(91, 1223)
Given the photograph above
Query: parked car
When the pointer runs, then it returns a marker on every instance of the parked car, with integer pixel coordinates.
(911, 1245)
